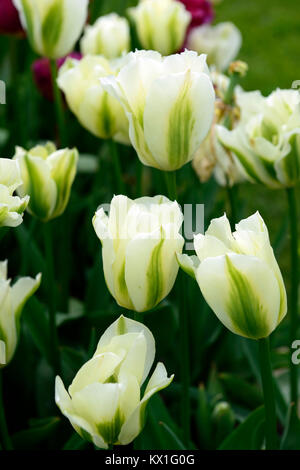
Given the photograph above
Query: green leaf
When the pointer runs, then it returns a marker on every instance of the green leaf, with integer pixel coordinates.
(40, 431)
(241, 392)
(248, 435)
(291, 437)
(36, 318)
(75, 443)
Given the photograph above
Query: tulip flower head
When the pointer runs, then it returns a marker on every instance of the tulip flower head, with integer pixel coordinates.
(108, 36)
(201, 10)
(169, 103)
(161, 24)
(267, 140)
(239, 276)
(52, 26)
(9, 18)
(47, 176)
(12, 301)
(95, 109)
(104, 402)
(221, 43)
(11, 207)
(139, 241)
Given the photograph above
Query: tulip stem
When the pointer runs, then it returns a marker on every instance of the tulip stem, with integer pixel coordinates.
(269, 395)
(5, 438)
(117, 167)
(293, 216)
(58, 105)
(231, 193)
(52, 297)
(170, 177)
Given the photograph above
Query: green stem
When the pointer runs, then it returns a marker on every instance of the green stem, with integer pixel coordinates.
(5, 438)
(232, 199)
(27, 253)
(117, 167)
(293, 216)
(52, 297)
(269, 396)
(58, 105)
(185, 364)
(170, 177)
(139, 178)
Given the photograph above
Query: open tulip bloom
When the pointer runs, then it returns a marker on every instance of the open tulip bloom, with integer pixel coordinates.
(52, 26)
(11, 207)
(47, 176)
(169, 102)
(12, 300)
(239, 276)
(104, 403)
(139, 241)
(266, 143)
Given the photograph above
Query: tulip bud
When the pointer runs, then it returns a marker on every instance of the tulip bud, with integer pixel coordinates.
(11, 207)
(12, 301)
(161, 24)
(53, 26)
(108, 36)
(139, 241)
(221, 43)
(239, 276)
(104, 403)
(169, 103)
(95, 109)
(47, 175)
(266, 142)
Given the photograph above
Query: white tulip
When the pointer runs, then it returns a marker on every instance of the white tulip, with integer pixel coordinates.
(47, 176)
(95, 109)
(104, 402)
(52, 26)
(161, 24)
(169, 103)
(139, 241)
(239, 276)
(108, 36)
(221, 43)
(12, 301)
(266, 142)
(11, 207)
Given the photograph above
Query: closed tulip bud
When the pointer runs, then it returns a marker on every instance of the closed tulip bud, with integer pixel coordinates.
(104, 402)
(95, 109)
(239, 276)
(267, 140)
(12, 301)
(169, 103)
(108, 36)
(161, 25)
(47, 176)
(139, 241)
(52, 26)
(11, 207)
(221, 43)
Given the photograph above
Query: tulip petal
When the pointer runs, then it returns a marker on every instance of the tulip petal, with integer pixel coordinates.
(243, 292)
(22, 290)
(178, 115)
(189, 264)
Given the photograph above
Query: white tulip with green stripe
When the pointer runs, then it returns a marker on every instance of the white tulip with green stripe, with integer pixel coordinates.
(97, 111)
(108, 36)
(161, 25)
(266, 142)
(12, 301)
(53, 26)
(47, 175)
(11, 207)
(139, 241)
(239, 276)
(169, 103)
(221, 43)
(104, 402)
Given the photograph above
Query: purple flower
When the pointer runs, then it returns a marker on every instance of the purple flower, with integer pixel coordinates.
(42, 74)
(9, 18)
(201, 10)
